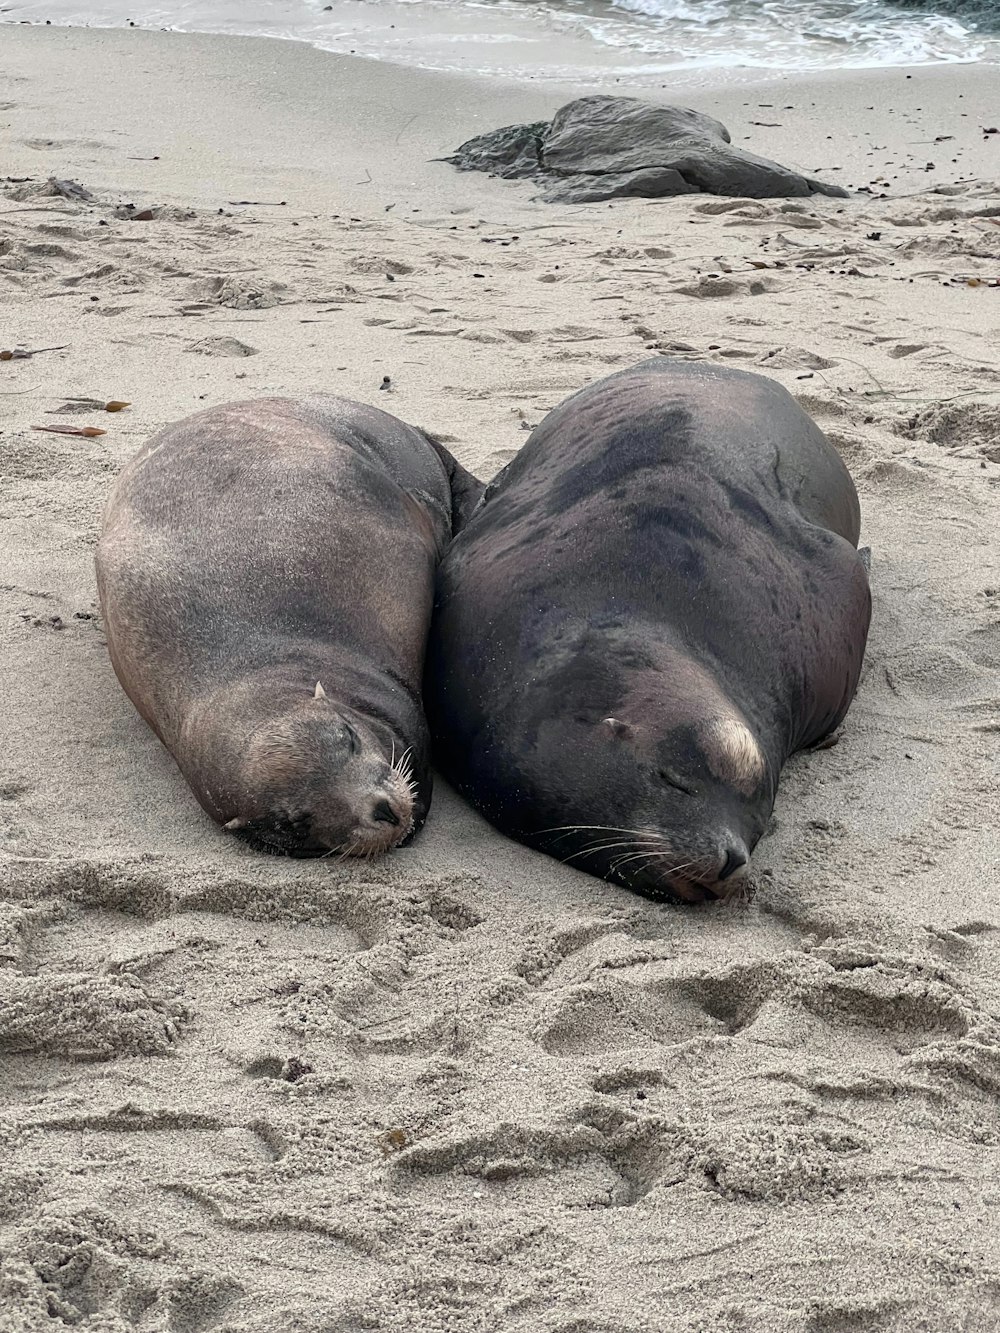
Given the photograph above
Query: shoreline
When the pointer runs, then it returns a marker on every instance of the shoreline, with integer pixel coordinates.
(558, 47)
(279, 103)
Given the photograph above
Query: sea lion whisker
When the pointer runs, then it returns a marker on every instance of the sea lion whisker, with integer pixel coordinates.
(403, 771)
(596, 843)
(603, 828)
(648, 855)
(650, 859)
(338, 847)
(596, 847)
(627, 874)
(623, 869)
(636, 839)
(631, 842)
(403, 763)
(620, 861)
(685, 865)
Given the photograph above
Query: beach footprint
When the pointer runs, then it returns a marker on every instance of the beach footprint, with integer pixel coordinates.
(714, 287)
(971, 427)
(65, 145)
(84, 1016)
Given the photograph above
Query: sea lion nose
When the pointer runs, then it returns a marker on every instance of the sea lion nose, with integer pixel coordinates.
(383, 813)
(734, 859)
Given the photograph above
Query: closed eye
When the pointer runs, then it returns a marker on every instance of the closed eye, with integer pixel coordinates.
(352, 738)
(672, 780)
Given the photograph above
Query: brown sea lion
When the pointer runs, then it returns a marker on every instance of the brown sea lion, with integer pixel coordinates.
(655, 603)
(266, 572)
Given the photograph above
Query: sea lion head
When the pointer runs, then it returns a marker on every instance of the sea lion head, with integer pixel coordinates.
(663, 784)
(322, 780)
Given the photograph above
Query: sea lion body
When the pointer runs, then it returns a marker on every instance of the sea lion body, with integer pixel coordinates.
(265, 572)
(655, 603)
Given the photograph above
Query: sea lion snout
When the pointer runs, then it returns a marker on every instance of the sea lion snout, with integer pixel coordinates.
(642, 802)
(319, 782)
(735, 862)
(386, 817)
(713, 876)
(366, 804)
(385, 814)
(725, 880)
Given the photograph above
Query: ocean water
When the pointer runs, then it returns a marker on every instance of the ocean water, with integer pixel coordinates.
(596, 41)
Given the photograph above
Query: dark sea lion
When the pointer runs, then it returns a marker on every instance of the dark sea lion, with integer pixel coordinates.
(266, 574)
(655, 603)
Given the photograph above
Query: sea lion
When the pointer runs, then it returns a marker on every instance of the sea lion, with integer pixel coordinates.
(656, 602)
(265, 572)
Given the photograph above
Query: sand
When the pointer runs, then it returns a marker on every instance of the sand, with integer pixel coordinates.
(467, 1088)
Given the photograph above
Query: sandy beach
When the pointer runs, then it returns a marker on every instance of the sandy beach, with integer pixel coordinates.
(466, 1088)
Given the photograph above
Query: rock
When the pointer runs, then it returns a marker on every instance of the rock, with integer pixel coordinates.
(513, 150)
(609, 147)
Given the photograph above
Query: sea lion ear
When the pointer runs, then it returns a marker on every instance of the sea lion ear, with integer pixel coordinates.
(319, 692)
(616, 726)
(235, 825)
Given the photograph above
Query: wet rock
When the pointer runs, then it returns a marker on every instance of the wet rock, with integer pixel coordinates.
(603, 147)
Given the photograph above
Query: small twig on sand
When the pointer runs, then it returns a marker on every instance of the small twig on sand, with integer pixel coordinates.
(39, 208)
(861, 366)
(23, 353)
(406, 126)
(906, 398)
(88, 432)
